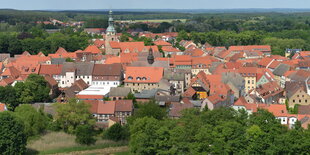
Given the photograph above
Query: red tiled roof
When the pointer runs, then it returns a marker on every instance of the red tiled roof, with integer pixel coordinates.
(250, 48)
(214, 99)
(25, 53)
(90, 97)
(240, 102)
(123, 105)
(99, 43)
(50, 70)
(61, 51)
(269, 89)
(170, 49)
(189, 92)
(274, 64)
(6, 81)
(51, 81)
(93, 49)
(144, 74)
(161, 43)
(233, 65)
(11, 71)
(40, 54)
(106, 107)
(265, 61)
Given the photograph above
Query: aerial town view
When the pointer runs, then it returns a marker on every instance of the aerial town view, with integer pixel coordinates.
(127, 77)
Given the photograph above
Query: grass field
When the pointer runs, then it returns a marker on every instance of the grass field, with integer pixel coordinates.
(159, 20)
(60, 142)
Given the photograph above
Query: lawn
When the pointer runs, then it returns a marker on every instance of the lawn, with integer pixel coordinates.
(60, 142)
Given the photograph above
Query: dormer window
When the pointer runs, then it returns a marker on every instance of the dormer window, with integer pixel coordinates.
(144, 78)
(130, 78)
(138, 78)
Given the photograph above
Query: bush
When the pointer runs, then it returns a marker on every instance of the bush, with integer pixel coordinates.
(117, 132)
(85, 135)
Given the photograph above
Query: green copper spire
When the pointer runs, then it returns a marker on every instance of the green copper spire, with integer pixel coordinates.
(111, 28)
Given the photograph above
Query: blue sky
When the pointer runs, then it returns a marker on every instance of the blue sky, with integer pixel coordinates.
(150, 4)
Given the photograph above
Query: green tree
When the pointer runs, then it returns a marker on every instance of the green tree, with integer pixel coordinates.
(8, 95)
(34, 89)
(182, 35)
(143, 136)
(12, 137)
(116, 132)
(72, 114)
(85, 135)
(35, 121)
(150, 109)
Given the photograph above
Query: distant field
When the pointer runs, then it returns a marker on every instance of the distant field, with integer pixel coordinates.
(157, 20)
(60, 142)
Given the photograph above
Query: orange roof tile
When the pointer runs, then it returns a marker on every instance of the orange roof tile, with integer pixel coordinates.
(170, 49)
(144, 74)
(61, 51)
(93, 49)
(2, 107)
(161, 43)
(50, 70)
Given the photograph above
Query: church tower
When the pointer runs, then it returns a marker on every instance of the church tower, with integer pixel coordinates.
(150, 57)
(110, 34)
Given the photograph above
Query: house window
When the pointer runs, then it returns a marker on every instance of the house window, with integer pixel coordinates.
(299, 101)
(306, 101)
(293, 101)
(252, 81)
(249, 81)
(297, 95)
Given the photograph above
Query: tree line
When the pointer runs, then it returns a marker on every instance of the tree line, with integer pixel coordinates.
(38, 40)
(221, 131)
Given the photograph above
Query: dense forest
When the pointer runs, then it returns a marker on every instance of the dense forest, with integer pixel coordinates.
(280, 30)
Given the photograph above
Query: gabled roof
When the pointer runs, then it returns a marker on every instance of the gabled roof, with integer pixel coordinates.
(51, 81)
(291, 87)
(281, 69)
(107, 69)
(161, 43)
(106, 107)
(61, 51)
(269, 89)
(11, 71)
(101, 107)
(170, 49)
(50, 70)
(93, 49)
(123, 106)
(7, 81)
(25, 53)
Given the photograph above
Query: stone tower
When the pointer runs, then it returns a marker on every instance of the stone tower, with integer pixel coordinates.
(110, 34)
